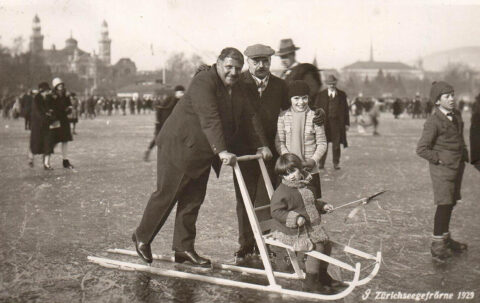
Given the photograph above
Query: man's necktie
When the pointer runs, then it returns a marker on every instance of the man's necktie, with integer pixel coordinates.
(261, 88)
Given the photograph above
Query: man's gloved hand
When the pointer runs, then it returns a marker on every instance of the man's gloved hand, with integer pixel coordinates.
(227, 158)
(265, 152)
(309, 164)
(319, 118)
(68, 110)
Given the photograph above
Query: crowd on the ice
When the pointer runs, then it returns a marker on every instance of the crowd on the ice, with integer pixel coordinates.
(288, 120)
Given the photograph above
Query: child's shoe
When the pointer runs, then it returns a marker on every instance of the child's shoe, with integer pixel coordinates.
(311, 284)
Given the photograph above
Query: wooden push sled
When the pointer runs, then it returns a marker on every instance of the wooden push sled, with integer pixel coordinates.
(261, 241)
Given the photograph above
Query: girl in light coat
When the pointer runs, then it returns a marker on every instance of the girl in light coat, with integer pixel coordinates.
(297, 134)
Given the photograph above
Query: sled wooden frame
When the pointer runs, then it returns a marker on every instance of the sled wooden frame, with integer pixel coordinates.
(261, 241)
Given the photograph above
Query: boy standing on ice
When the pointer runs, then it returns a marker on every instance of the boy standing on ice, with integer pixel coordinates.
(443, 146)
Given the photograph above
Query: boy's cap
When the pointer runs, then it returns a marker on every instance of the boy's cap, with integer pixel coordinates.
(298, 88)
(439, 88)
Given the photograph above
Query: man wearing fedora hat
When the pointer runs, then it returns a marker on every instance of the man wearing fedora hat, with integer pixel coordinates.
(337, 119)
(298, 71)
(268, 96)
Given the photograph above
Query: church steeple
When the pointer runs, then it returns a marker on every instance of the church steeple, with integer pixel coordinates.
(36, 39)
(315, 60)
(104, 44)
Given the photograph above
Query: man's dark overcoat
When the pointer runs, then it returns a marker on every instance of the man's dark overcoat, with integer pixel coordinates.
(203, 123)
(323, 101)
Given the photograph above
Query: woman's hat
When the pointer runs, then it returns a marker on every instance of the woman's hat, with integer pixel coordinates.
(286, 47)
(298, 88)
(56, 81)
(439, 88)
(43, 86)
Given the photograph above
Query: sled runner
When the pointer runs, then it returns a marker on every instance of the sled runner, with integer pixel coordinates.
(262, 240)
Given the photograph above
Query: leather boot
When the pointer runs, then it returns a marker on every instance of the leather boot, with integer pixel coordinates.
(440, 251)
(311, 284)
(453, 245)
(311, 281)
(192, 257)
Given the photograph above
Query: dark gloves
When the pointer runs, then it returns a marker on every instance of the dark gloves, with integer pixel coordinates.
(319, 118)
(68, 110)
(202, 67)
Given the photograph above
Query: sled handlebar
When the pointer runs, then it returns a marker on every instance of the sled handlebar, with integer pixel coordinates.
(249, 157)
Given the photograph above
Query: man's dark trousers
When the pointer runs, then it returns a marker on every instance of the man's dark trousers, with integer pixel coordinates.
(335, 136)
(174, 186)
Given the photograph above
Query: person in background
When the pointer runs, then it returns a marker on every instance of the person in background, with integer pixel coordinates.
(442, 145)
(60, 129)
(26, 108)
(298, 71)
(41, 117)
(334, 103)
(475, 134)
(417, 107)
(162, 111)
(131, 104)
(374, 113)
(73, 116)
(397, 108)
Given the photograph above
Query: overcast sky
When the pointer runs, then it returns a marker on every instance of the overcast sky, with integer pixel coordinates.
(338, 32)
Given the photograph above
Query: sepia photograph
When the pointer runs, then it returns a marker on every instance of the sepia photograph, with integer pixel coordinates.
(253, 151)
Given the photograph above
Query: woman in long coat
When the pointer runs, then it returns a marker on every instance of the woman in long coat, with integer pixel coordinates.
(60, 129)
(40, 120)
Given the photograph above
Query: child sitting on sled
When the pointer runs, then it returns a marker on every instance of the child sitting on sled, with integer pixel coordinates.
(296, 219)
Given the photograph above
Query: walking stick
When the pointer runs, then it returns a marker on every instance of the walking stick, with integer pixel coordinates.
(363, 201)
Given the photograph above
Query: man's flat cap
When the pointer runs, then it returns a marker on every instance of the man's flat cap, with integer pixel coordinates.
(258, 50)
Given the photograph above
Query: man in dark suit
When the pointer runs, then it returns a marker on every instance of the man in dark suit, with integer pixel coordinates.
(268, 96)
(334, 103)
(443, 146)
(298, 71)
(197, 135)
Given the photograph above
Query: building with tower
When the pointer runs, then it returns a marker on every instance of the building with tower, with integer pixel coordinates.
(370, 69)
(104, 44)
(91, 72)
